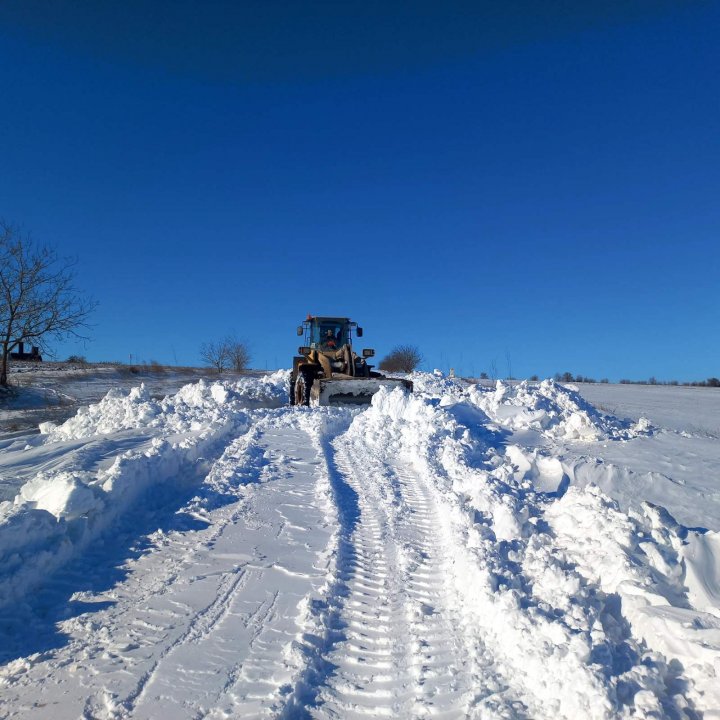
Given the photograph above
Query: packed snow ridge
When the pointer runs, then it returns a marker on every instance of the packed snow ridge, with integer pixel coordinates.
(428, 554)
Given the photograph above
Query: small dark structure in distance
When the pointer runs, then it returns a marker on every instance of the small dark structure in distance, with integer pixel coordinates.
(34, 355)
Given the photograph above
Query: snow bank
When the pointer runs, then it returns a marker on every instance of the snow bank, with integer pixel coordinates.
(552, 409)
(58, 513)
(264, 391)
(702, 564)
(640, 558)
(583, 603)
(118, 410)
(436, 383)
(193, 406)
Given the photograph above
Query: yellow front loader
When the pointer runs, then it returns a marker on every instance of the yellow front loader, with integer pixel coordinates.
(327, 371)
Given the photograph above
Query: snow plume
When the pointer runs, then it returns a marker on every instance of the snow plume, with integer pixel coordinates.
(583, 605)
(552, 409)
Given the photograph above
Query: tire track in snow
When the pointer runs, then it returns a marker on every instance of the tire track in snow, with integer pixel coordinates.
(364, 656)
(391, 643)
(236, 653)
(440, 613)
(321, 627)
(202, 623)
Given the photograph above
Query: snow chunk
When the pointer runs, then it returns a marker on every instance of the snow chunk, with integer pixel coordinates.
(65, 495)
(219, 394)
(436, 383)
(702, 562)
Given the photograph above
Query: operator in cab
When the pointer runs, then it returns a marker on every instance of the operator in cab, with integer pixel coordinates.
(329, 342)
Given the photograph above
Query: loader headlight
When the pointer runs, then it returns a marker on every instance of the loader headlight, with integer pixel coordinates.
(368, 352)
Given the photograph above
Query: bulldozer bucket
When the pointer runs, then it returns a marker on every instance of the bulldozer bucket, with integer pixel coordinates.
(352, 391)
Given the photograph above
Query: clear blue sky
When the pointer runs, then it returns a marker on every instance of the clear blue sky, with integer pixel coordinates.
(532, 180)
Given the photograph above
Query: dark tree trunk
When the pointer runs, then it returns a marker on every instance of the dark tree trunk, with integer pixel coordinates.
(4, 351)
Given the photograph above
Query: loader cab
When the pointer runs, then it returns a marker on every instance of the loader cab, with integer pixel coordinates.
(327, 333)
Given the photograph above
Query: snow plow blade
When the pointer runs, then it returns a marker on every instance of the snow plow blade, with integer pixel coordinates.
(352, 391)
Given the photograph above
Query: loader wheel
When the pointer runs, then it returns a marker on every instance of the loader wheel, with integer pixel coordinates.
(302, 389)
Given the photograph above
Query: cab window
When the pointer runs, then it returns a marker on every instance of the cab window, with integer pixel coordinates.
(328, 334)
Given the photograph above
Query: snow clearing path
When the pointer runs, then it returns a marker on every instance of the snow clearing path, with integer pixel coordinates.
(400, 648)
(212, 600)
(231, 648)
(218, 555)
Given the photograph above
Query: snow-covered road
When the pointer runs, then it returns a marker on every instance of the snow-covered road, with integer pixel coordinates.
(217, 554)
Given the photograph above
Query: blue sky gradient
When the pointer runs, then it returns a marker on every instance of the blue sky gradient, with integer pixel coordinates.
(538, 185)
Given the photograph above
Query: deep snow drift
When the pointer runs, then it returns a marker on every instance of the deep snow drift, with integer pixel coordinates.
(462, 551)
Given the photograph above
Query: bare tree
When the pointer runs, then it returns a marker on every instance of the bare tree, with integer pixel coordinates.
(239, 354)
(226, 353)
(38, 299)
(215, 354)
(402, 358)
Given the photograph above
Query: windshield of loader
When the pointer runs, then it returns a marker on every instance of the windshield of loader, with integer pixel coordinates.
(328, 334)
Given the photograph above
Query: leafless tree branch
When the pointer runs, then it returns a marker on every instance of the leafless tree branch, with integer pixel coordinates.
(38, 298)
(224, 354)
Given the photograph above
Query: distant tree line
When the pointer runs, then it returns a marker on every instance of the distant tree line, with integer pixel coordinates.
(710, 382)
(568, 377)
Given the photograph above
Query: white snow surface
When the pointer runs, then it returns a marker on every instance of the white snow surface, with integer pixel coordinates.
(461, 551)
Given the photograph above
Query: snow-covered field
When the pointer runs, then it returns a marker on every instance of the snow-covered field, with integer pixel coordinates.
(464, 551)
